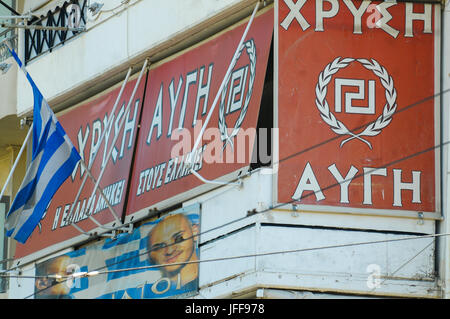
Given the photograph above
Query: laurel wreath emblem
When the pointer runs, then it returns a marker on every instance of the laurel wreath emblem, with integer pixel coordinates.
(250, 48)
(373, 128)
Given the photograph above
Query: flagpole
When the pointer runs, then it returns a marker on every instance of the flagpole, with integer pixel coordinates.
(227, 74)
(16, 162)
(22, 67)
(97, 182)
(111, 149)
(104, 198)
(122, 121)
(102, 136)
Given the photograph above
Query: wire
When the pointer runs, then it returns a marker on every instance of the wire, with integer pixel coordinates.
(279, 252)
(3, 261)
(43, 5)
(122, 3)
(9, 8)
(398, 269)
(269, 254)
(97, 272)
(125, 3)
(303, 151)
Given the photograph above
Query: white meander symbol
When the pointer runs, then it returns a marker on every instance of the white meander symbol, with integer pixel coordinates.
(373, 128)
(350, 96)
(236, 94)
(236, 99)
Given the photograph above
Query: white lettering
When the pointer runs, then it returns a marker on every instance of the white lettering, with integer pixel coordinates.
(95, 141)
(425, 17)
(55, 221)
(191, 78)
(108, 127)
(203, 92)
(121, 113)
(308, 182)
(344, 183)
(157, 117)
(357, 14)
(82, 141)
(386, 17)
(64, 217)
(321, 13)
(380, 17)
(295, 14)
(399, 186)
(173, 102)
(130, 125)
(368, 172)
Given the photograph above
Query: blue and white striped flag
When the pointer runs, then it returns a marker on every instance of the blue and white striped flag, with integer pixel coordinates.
(53, 159)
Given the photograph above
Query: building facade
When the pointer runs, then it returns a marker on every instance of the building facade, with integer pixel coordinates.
(242, 148)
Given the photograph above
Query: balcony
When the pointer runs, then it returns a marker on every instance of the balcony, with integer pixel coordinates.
(40, 41)
(70, 67)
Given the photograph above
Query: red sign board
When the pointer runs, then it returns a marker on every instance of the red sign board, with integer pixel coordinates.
(179, 95)
(356, 115)
(84, 125)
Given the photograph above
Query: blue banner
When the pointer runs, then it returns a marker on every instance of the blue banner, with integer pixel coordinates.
(157, 260)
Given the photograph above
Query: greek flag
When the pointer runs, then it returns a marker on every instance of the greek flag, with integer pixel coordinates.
(53, 159)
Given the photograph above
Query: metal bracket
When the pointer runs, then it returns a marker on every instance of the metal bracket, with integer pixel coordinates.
(25, 17)
(113, 231)
(119, 230)
(152, 212)
(40, 27)
(239, 183)
(252, 212)
(295, 210)
(128, 229)
(25, 121)
(421, 220)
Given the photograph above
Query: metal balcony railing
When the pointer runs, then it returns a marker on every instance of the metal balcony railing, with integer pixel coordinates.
(38, 41)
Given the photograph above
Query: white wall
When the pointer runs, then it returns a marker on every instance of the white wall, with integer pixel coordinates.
(20, 286)
(406, 266)
(393, 268)
(8, 89)
(33, 5)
